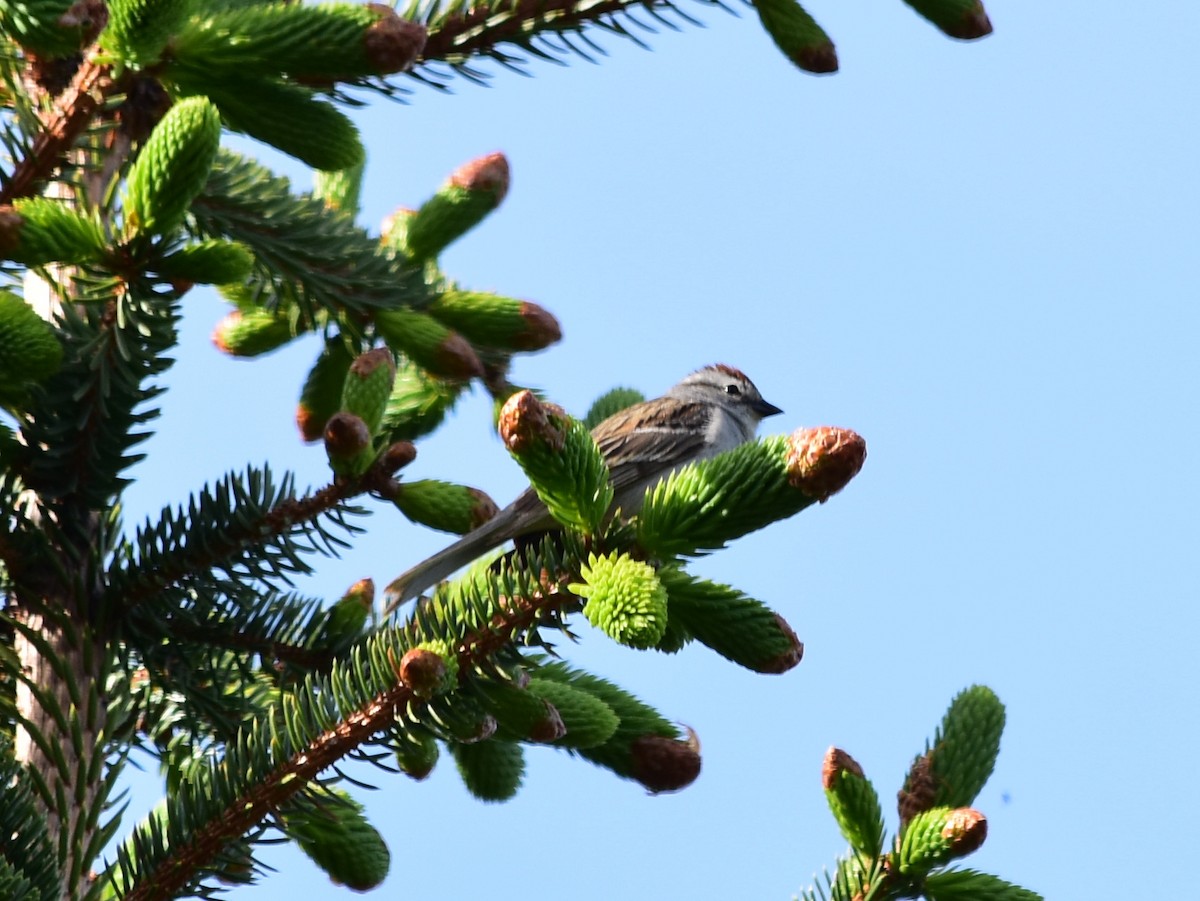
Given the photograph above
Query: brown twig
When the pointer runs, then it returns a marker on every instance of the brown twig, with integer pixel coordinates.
(68, 118)
(277, 521)
(293, 775)
(447, 39)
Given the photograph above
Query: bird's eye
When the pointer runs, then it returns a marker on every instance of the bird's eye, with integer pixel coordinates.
(733, 390)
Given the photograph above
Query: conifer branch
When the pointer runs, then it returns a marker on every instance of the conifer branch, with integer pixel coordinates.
(306, 258)
(70, 116)
(248, 523)
(179, 863)
(481, 28)
(269, 649)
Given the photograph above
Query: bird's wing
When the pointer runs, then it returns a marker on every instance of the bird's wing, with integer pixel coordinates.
(637, 446)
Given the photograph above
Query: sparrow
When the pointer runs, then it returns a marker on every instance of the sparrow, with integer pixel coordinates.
(711, 411)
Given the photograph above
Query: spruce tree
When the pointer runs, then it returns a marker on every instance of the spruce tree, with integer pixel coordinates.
(182, 636)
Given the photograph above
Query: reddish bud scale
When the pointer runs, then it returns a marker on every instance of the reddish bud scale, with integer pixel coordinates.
(962, 19)
(541, 328)
(664, 764)
(549, 729)
(787, 660)
(488, 174)
(11, 223)
(392, 44)
(429, 344)
(526, 422)
(398, 455)
(920, 789)
(422, 671)
(346, 436)
(798, 35)
(492, 320)
(361, 592)
(822, 461)
(966, 829)
(836, 762)
(368, 385)
(471, 193)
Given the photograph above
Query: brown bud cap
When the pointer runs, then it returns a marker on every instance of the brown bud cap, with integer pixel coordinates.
(486, 173)
(820, 59)
(11, 223)
(836, 762)
(823, 460)
(920, 790)
(308, 422)
(973, 24)
(422, 671)
(484, 508)
(396, 457)
(89, 15)
(966, 829)
(346, 435)
(786, 660)
(366, 363)
(541, 328)
(392, 44)
(361, 592)
(456, 358)
(552, 728)
(665, 764)
(526, 421)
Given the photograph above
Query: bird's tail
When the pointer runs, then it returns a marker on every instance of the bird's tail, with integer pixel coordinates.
(427, 573)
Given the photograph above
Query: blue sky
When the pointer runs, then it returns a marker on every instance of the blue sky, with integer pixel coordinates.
(979, 256)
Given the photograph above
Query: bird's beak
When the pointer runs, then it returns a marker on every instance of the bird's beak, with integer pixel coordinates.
(764, 409)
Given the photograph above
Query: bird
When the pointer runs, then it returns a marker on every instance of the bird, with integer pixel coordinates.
(712, 410)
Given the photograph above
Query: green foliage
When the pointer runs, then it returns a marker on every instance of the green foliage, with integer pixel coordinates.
(705, 505)
(418, 403)
(963, 19)
(625, 600)
(289, 117)
(306, 257)
(50, 231)
(171, 169)
(797, 35)
(45, 26)
(932, 832)
(435, 348)
(90, 412)
(561, 459)
(471, 192)
(329, 41)
(333, 830)
(28, 867)
(737, 627)
(491, 770)
(29, 349)
(321, 395)
(611, 403)
(444, 505)
(368, 385)
(854, 803)
(252, 333)
(491, 320)
(138, 30)
(339, 188)
(213, 262)
(182, 637)
(588, 721)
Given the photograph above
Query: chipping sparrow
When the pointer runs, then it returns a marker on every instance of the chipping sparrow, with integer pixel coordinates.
(712, 410)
